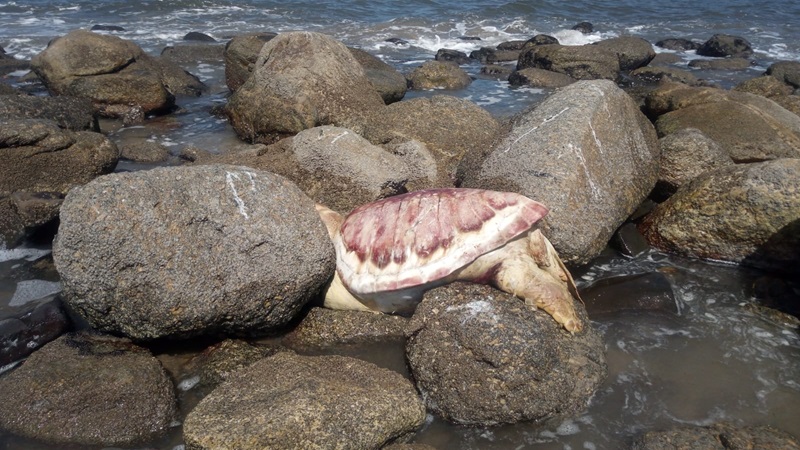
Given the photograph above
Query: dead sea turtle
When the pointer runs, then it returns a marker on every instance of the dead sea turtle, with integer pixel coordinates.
(389, 252)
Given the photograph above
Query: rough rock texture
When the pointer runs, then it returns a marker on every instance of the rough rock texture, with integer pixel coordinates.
(686, 154)
(438, 75)
(721, 436)
(653, 74)
(88, 389)
(448, 126)
(40, 163)
(539, 78)
(726, 45)
(586, 152)
(721, 64)
(76, 114)
(290, 401)
(324, 327)
(220, 361)
(750, 127)
(482, 357)
(456, 56)
(191, 54)
(786, 71)
(678, 44)
(748, 213)
(114, 73)
(143, 151)
(186, 251)
(766, 86)
(390, 83)
(241, 53)
(302, 80)
(633, 52)
(582, 62)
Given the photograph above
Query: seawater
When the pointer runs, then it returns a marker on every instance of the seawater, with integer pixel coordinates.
(715, 361)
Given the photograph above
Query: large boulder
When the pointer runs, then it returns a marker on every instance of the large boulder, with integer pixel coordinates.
(633, 52)
(448, 126)
(747, 213)
(438, 75)
(302, 80)
(186, 251)
(41, 163)
(289, 401)
(88, 389)
(582, 62)
(71, 113)
(586, 152)
(786, 71)
(241, 53)
(114, 73)
(721, 45)
(750, 127)
(388, 81)
(685, 155)
(482, 357)
(539, 78)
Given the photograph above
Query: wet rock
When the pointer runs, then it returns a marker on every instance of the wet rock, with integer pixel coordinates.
(241, 53)
(750, 127)
(413, 446)
(541, 39)
(390, 83)
(633, 52)
(324, 327)
(582, 62)
(41, 163)
(438, 75)
(654, 74)
(721, 64)
(186, 251)
(119, 74)
(629, 241)
(143, 151)
(88, 389)
(586, 152)
(726, 45)
(484, 55)
(765, 86)
(76, 114)
(584, 27)
(511, 45)
(539, 78)
(456, 56)
(650, 291)
(665, 59)
(176, 80)
(469, 349)
(721, 436)
(302, 80)
(679, 44)
(101, 27)
(747, 213)
(308, 402)
(191, 54)
(497, 71)
(685, 155)
(219, 362)
(198, 36)
(397, 41)
(786, 71)
(24, 333)
(449, 127)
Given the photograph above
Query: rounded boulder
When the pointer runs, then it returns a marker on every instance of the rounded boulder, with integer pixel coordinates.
(187, 251)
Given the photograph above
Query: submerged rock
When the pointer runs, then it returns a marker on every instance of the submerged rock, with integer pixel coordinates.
(586, 152)
(187, 251)
(482, 357)
(722, 436)
(88, 389)
(291, 401)
(24, 333)
(645, 291)
(747, 213)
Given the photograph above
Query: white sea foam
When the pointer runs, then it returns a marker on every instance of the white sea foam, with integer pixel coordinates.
(30, 290)
(29, 254)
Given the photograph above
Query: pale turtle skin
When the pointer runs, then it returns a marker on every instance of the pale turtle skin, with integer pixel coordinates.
(389, 252)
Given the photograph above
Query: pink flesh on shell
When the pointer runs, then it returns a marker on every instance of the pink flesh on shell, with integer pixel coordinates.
(423, 236)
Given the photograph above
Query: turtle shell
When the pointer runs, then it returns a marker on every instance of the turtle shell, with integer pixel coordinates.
(416, 238)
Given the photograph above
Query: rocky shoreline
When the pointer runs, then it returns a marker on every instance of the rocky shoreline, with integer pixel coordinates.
(228, 244)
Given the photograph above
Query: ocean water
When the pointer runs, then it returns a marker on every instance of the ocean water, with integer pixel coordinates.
(715, 361)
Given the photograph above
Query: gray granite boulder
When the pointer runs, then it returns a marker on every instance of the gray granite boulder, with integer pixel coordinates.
(388, 81)
(114, 73)
(186, 251)
(747, 213)
(685, 155)
(482, 357)
(71, 113)
(438, 75)
(750, 127)
(586, 152)
(582, 62)
(302, 80)
(88, 389)
(41, 162)
(786, 71)
(449, 127)
(220, 361)
(633, 52)
(289, 401)
(539, 78)
(720, 436)
(241, 53)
